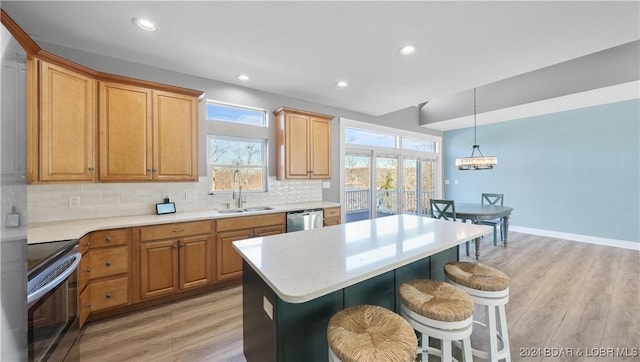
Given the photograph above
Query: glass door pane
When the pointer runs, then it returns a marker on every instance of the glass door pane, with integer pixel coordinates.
(428, 190)
(409, 186)
(357, 179)
(386, 186)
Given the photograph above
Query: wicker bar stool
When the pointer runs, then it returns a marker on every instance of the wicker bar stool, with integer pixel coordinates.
(364, 333)
(489, 288)
(438, 310)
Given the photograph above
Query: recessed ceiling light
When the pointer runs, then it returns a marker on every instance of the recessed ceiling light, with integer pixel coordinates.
(342, 84)
(144, 24)
(243, 77)
(407, 50)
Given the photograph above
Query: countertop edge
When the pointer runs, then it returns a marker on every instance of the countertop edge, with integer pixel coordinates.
(75, 229)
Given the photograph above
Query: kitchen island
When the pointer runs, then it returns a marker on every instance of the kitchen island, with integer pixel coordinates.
(293, 283)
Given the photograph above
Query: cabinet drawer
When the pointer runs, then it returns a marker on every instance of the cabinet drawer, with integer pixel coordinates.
(108, 293)
(330, 212)
(99, 239)
(166, 231)
(244, 222)
(108, 261)
(85, 268)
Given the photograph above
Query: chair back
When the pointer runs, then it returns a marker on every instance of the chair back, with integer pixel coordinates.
(492, 199)
(443, 209)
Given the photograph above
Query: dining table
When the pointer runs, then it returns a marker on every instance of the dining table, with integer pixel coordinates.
(477, 213)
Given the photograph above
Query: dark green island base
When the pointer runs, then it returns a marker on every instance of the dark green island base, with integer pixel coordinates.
(298, 331)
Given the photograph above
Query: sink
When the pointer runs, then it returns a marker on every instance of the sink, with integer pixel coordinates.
(230, 211)
(261, 208)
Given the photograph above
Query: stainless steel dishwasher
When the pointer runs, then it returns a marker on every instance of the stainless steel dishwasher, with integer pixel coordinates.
(304, 220)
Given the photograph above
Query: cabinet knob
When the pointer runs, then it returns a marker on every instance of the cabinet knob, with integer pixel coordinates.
(108, 295)
(91, 169)
(87, 270)
(87, 305)
(181, 245)
(108, 263)
(148, 170)
(107, 239)
(175, 246)
(88, 244)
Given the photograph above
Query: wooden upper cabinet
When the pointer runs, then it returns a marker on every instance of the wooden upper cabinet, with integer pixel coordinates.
(66, 125)
(303, 144)
(175, 125)
(125, 132)
(147, 134)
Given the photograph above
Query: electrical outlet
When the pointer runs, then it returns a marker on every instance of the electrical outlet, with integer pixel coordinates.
(74, 201)
(166, 195)
(190, 196)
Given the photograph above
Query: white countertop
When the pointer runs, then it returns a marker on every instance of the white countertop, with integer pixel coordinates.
(64, 230)
(304, 265)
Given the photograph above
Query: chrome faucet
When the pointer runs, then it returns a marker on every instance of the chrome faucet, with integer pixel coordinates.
(234, 195)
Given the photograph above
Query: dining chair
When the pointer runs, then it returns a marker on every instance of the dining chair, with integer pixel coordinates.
(494, 199)
(443, 209)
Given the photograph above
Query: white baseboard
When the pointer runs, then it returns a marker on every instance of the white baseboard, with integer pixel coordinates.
(577, 237)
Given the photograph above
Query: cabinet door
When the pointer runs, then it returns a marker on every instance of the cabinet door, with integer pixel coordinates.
(320, 148)
(229, 262)
(175, 145)
(158, 268)
(67, 125)
(195, 261)
(125, 133)
(297, 146)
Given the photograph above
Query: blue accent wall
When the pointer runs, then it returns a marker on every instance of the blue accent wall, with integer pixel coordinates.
(575, 171)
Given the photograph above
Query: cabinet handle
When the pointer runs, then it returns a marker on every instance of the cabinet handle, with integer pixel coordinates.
(178, 231)
(87, 270)
(88, 305)
(91, 169)
(108, 263)
(148, 170)
(88, 244)
(108, 295)
(154, 170)
(107, 239)
(181, 245)
(174, 246)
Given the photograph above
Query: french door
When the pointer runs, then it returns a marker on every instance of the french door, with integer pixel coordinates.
(401, 184)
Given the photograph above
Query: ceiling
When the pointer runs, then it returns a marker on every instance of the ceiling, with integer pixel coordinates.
(301, 49)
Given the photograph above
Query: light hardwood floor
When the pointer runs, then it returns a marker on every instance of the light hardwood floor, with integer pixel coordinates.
(563, 294)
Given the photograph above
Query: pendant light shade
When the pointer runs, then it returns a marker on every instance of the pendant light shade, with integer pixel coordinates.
(479, 161)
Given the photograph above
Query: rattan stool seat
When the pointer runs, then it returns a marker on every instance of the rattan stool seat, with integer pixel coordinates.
(476, 276)
(436, 300)
(371, 333)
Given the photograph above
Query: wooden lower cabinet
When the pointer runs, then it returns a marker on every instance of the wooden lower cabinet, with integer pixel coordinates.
(104, 281)
(331, 216)
(175, 263)
(229, 262)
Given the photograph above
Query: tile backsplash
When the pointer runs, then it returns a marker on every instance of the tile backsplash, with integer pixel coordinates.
(53, 202)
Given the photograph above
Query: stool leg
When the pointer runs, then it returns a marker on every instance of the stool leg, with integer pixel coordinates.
(493, 337)
(495, 238)
(424, 345)
(504, 333)
(465, 346)
(446, 351)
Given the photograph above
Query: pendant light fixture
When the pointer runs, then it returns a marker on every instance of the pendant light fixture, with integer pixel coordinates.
(473, 162)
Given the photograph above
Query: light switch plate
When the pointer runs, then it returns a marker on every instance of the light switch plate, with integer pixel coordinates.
(326, 184)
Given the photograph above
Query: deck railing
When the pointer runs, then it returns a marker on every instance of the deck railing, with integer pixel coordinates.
(386, 201)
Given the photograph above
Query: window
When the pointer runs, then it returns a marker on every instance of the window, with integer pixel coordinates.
(226, 154)
(410, 143)
(226, 112)
(369, 138)
(387, 171)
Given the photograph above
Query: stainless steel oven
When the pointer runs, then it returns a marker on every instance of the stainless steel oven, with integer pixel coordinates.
(52, 301)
